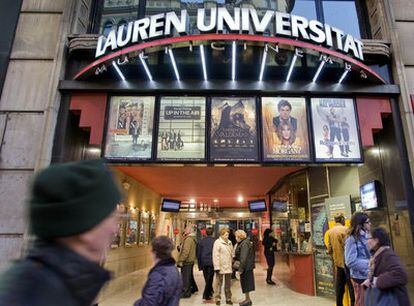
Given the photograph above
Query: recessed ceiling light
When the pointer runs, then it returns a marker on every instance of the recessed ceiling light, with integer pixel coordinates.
(239, 199)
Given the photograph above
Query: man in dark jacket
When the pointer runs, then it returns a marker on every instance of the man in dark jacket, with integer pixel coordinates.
(164, 286)
(72, 213)
(205, 262)
(186, 260)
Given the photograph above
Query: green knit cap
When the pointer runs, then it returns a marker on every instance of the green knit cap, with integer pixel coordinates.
(69, 199)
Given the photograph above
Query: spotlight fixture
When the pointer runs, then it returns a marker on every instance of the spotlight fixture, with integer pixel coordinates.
(171, 54)
(144, 64)
(121, 75)
(203, 62)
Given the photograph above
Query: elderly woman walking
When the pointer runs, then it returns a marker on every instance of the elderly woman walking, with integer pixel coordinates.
(245, 255)
(222, 261)
(386, 271)
(357, 254)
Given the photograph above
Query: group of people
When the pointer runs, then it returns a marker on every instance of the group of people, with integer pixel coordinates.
(364, 261)
(171, 140)
(217, 258)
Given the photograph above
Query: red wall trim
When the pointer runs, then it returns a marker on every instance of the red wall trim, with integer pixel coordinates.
(242, 37)
(92, 107)
(370, 113)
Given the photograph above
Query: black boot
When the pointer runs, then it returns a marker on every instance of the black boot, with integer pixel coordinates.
(269, 277)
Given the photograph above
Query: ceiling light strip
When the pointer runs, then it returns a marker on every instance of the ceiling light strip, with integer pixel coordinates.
(171, 54)
(203, 62)
(141, 57)
(233, 62)
(263, 63)
(121, 75)
(318, 72)
(292, 64)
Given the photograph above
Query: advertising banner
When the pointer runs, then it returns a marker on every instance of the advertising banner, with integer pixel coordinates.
(324, 274)
(335, 131)
(319, 224)
(181, 130)
(233, 130)
(285, 129)
(130, 125)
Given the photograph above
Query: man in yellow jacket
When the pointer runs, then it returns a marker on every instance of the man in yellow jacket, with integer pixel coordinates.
(335, 245)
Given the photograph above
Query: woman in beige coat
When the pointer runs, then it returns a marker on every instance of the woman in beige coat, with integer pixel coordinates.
(222, 261)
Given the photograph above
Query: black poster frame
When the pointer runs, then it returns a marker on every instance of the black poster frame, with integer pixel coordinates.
(106, 127)
(195, 160)
(337, 160)
(258, 143)
(309, 134)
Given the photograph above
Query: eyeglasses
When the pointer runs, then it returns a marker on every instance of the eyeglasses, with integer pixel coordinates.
(367, 222)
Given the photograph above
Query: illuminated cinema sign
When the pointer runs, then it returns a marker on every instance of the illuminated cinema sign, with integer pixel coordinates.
(242, 20)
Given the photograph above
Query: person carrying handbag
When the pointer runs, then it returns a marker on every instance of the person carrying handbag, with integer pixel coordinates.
(387, 277)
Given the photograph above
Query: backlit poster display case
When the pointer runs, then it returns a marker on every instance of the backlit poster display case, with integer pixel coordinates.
(233, 129)
(335, 130)
(144, 228)
(130, 128)
(182, 128)
(285, 129)
(131, 228)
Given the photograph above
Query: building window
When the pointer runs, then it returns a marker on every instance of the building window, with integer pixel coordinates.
(116, 12)
(347, 15)
(343, 15)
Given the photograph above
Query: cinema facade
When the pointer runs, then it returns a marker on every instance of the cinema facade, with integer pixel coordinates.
(314, 89)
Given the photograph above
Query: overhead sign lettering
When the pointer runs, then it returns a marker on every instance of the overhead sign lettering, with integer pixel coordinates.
(219, 20)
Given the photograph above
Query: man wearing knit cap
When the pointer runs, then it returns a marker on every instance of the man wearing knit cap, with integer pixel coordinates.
(72, 213)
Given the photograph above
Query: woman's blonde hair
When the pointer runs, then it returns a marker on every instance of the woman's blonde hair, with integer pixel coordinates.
(241, 234)
(223, 231)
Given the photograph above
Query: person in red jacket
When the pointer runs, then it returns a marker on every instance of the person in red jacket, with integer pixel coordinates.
(386, 270)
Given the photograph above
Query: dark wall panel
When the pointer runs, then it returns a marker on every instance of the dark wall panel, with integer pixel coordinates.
(9, 15)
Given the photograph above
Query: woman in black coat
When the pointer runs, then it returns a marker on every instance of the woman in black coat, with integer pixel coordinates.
(164, 285)
(387, 273)
(245, 254)
(269, 244)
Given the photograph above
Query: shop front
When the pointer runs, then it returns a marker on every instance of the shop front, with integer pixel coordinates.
(219, 85)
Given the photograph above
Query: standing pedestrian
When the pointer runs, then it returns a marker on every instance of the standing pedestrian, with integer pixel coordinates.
(186, 260)
(387, 273)
(222, 261)
(72, 214)
(245, 254)
(269, 245)
(357, 254)
(163, 286)
(205, 262)
(336, 248)
(233, 240)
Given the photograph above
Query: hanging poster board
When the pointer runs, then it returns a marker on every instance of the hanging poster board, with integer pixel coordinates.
(181, 130)
(130, 126)
(233, 129)
(335, 130)
(285, 129)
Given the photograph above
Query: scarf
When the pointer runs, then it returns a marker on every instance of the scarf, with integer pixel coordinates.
(373, 259)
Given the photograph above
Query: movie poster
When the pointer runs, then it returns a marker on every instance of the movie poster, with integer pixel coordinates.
(130, 124)
(181, 132)
(285, 129)
(233, 129)
(335, 132)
